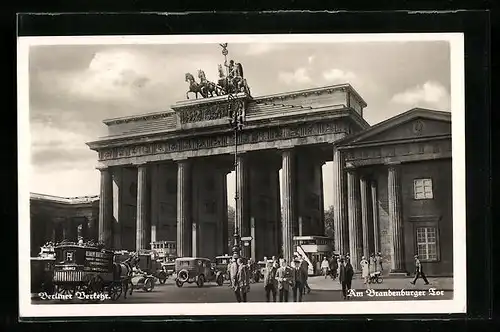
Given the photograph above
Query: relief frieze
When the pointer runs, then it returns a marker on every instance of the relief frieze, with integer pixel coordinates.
(221, 140)
(201, 113)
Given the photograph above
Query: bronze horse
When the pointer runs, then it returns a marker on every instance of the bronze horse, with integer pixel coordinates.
(194, 86)
(207, 87)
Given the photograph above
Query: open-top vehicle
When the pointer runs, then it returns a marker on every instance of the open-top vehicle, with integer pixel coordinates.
(196, 270)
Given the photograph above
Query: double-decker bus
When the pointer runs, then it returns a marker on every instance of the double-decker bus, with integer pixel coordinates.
(165, 251)
(313, 249)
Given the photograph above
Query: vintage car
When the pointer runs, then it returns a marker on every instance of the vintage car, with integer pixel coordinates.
(221, 265)
(169, 268)
(198, 270)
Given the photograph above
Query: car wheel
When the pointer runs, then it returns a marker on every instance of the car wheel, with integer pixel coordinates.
(162, 277)
(380, 280)
(148, 285)
(220, 280)
(179, 283)
(200, 281)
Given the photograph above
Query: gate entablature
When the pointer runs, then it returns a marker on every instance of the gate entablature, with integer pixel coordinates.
(200, 127)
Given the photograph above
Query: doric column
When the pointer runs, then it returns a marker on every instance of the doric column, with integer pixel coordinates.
(365, 216)
(288, 203)
(396, 220)
(117, 177)
(355, 239)
(252, 234)
(225, 235)
(155, 200)
(194, 237)
(106, 208)
(339, 204)
(241, 191)
(301, 225)
(142, 207)
(321, 200)
(376, 235)
(183, 209)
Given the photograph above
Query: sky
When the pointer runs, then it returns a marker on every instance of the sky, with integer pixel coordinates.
(73, 88)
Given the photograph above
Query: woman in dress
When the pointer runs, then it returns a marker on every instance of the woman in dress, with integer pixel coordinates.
(365, 273)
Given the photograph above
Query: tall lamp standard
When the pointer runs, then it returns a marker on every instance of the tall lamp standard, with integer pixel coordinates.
(236, 121)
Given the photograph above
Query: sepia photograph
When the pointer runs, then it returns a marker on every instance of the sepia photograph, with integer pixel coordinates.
(229, 174)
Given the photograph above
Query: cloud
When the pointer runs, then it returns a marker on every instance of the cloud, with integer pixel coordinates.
(430, 94)
(337, 75)
(63, 148)
(260, 48)
(300, 76)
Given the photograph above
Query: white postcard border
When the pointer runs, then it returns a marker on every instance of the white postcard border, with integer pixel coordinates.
(457, 305)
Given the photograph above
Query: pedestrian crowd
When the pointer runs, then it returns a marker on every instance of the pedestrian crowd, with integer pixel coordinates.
(282, 278)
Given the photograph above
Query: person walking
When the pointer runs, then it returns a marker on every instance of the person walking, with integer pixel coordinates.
(284, 276)
(270, 282)
(243, 278)
(233, 269)
(346, 273)
(419, 272)
(373, 263)
(299, 281)
(364, 269)
(380, 268)
(325, 266)
(333, 267)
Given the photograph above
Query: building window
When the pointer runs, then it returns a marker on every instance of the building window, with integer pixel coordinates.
(427, 248)
(422, 189)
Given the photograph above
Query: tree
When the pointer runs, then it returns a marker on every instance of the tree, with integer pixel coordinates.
(329, 228)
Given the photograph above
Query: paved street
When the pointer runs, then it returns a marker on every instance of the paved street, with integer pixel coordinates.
(322, 290)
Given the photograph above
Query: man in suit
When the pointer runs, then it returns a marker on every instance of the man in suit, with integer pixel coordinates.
(270, 282)
(300, 279)
(284, 276)
(419, 272)
(233, 277)
(345, 276)
(243, 278)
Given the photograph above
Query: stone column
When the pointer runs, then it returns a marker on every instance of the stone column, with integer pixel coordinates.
(355, 239)
(106, 208)
(155, 200)
(252, 234)
(301, 225)
(91, 231)
(183, 209)
(142, 207)
(365, 216)
(240, 202)
(339, 203)
(321, 200)
(376, 235)
(117, 207)
(396, 220)
(225, 235)
(288, 220)
(194, 241)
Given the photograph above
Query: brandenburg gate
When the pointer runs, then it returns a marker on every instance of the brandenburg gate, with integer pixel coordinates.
(163, 175)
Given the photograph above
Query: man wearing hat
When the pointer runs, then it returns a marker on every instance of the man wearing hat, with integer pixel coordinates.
(419, 272)
(284, 276)
(233, 277)
(346, 273)
(300, 280)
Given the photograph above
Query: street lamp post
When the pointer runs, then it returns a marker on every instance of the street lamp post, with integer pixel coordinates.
(236, 121)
